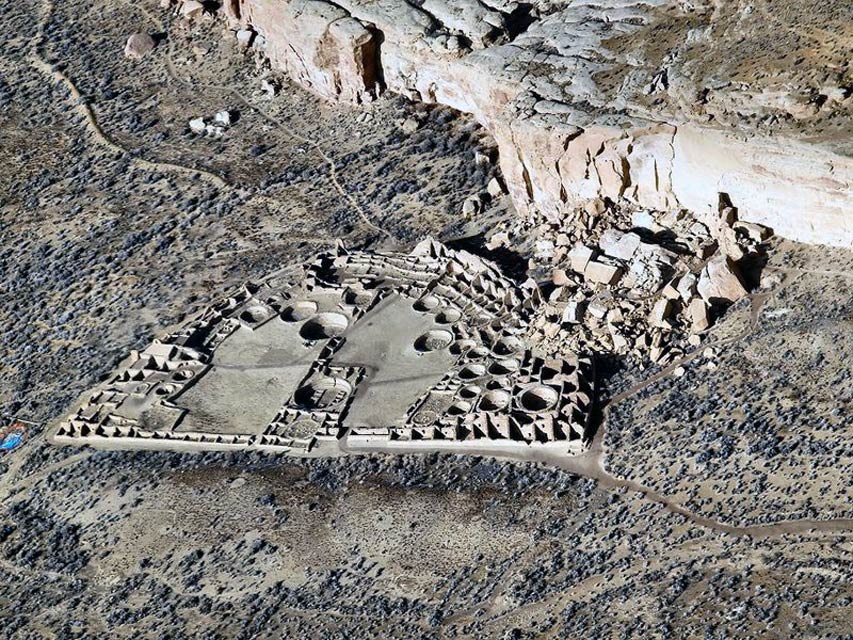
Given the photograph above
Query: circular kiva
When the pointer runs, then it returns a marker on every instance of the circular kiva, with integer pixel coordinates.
(140, 387)
(504, 367)
(472, 371)
(494, 400)
(427, 303)
(182, 375)
(425, 417)
(165, 389)
(459, 408)
(255, 313)
(299, 311)
(433, 340)
(301, 429)
(324, 325)
(448, 316)
(461, 346)
(508, 345)
(471, 391)
(538, 398)
(477, 353)
(322, 392)
(357, 298)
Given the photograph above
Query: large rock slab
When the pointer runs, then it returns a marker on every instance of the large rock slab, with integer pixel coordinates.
(319, 45)
(720, 281)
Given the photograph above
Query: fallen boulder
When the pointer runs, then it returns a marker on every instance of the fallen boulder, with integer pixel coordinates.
(192, 9)
(698, 312)
(619, 245)
(602, 273)
(139, 45)
(580, 256)
(720, 281)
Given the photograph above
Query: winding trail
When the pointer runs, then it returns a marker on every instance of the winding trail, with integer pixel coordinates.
(315, 145)
(81, 106)
(173, 75)
(590, 465)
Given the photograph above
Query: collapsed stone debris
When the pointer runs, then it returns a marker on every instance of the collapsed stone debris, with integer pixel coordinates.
(640, 283)
(216, 128)
(420, 350)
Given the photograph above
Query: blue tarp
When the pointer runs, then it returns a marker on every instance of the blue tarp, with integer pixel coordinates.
(11, 441)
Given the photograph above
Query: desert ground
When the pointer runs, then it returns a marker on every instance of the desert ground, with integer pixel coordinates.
(714, 502)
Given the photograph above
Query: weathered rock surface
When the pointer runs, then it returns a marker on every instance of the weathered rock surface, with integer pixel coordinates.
(603, 272)
(192, 9)
(719, 281)
(320, 45)
(698, 311)
(139, 45)
(618, 98)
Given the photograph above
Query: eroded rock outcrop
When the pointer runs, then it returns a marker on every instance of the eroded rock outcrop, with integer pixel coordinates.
(612, 99)
(319, 45)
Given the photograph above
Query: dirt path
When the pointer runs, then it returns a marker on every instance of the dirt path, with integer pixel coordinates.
(80, 105)
(287, 130)
(173, 75)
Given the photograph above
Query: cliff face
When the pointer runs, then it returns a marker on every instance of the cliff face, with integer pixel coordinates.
(319, 45)
(616, 98)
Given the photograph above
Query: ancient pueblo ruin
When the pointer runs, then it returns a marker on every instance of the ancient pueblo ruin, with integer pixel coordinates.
(385, 350)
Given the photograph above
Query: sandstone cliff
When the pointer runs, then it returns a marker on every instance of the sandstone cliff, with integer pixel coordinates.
(617, 98)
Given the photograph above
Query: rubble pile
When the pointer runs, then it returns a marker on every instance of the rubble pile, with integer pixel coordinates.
(215, 128)
(638, 283)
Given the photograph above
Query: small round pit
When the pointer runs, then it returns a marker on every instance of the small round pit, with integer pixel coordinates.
(324, 325)
(494, 400)
(469, 392)
(448, 316)
(538, 398)
(427, 303)
(461, 346)
(472, 372)
(255, 314)
(504, 367)
(299, 311)
(433, 340)
(322, 392)
(459, 408)
(508, 345)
